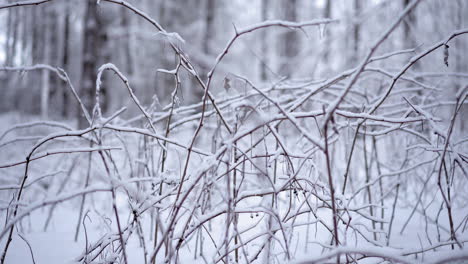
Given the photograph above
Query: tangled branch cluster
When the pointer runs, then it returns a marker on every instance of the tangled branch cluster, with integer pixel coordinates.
(265, 168)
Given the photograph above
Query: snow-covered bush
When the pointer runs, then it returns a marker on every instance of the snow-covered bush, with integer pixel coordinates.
(366, 166)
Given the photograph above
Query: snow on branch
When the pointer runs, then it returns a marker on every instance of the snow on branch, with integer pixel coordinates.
(252, 174)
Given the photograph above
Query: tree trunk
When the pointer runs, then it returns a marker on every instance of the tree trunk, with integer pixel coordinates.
(289, 43)
(356, 32)
(208, 35)
(10, 23)
(408, 39)
(94, 39)
(65, 58)
(209, 26)
(45, 75)
(126, 40)
(34, 78)
(326, 14)
(264, 43)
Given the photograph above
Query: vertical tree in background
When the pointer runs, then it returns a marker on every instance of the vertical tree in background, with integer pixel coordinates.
(356, 31)
(209, 25)
(323, 61)
(37, 56)
(11, 34)
(264, 42)
(288, 42)
(45, 75)
(409, 41)
(12, 29)
(94, 41)
(65, 60)
(410, 20)
(56, 24)
(459, 50)
(208, 35)
(125, 24)
(461, 19)
(25, 36)
(326, 14)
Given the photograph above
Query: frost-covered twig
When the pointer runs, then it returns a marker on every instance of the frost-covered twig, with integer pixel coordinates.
(334, 105)
(265, 24)
(58, 151)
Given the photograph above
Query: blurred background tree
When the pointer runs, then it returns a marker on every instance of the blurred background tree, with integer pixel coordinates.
(79, 36)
